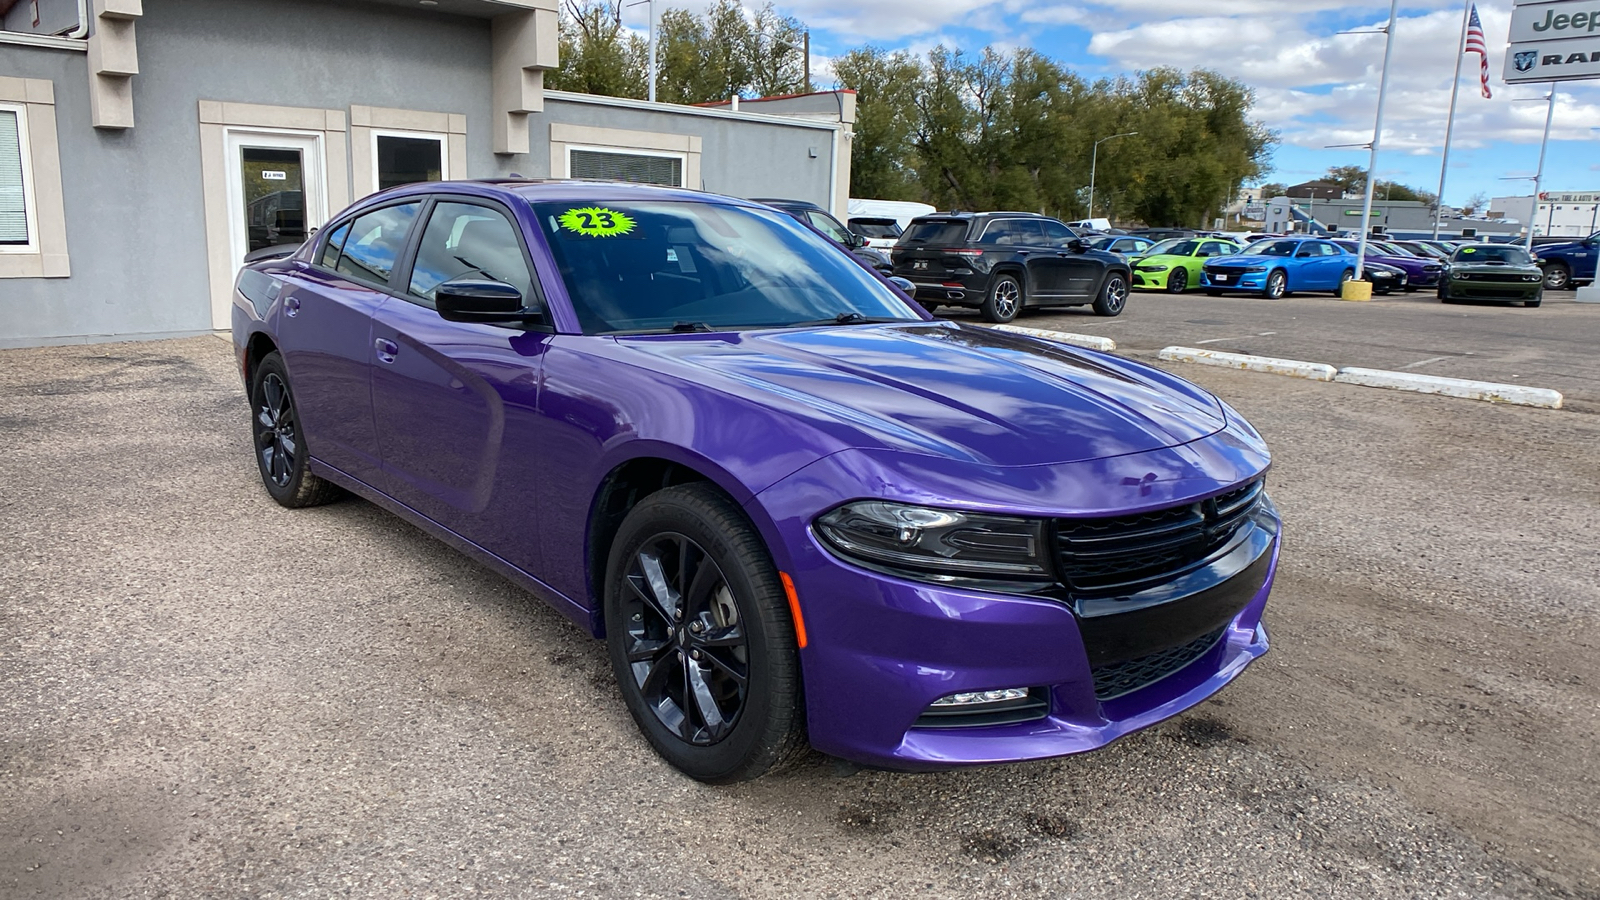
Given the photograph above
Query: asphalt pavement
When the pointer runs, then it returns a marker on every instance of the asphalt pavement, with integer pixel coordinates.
(205, 695)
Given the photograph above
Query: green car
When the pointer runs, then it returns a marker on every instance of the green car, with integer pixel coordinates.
(1174, 264)
(1500, 272)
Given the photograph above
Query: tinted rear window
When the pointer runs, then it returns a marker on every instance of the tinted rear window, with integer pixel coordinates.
(937, 232)
(875, 228)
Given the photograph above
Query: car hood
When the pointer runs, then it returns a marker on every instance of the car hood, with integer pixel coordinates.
(1247, 259)
(1165, 259)
(954, 391)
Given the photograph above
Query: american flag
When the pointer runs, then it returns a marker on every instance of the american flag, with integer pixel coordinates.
(1475, 44)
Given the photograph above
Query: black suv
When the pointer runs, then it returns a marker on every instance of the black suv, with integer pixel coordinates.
(820, 219)
(1001, 262)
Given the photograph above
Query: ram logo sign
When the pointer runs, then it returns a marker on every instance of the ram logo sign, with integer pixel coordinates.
(1525, 60)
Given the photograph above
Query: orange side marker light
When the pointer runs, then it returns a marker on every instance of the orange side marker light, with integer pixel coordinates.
(794, 608)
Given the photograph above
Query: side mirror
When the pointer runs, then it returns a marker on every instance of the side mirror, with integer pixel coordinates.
(1077, 245)
(856, 240)
(904, 284)
(479, 300)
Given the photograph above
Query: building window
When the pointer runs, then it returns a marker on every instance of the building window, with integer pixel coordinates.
(407, 157)
(632, 166)
(16, 207)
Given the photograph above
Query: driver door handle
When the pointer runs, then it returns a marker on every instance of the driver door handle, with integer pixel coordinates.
(386, 349)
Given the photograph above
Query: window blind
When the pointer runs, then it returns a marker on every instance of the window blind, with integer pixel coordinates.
(13, 211)
(595, 165)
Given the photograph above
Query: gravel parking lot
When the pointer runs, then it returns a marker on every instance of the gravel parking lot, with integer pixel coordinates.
(203, 694)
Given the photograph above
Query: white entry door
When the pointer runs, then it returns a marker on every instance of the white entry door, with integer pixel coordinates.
(276, 189)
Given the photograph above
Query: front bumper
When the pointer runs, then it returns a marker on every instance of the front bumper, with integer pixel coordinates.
(1151, 280)
(1236, 281)
(882, 648)
(1494, 290)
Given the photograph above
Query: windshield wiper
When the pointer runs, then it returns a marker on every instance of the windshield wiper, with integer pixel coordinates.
(688, 327)
(847, 318)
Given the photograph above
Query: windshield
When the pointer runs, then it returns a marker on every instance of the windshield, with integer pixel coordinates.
(875, 228)
(1510, 256)
(938, 232)
(1275, 248)
(690, 266)
(1174, 247)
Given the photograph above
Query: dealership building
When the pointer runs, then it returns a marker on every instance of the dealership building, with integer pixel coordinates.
(147, 145)
(1557, 213)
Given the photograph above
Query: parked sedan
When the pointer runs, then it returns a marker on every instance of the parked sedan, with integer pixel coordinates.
(1502, 272)
(793, 505)
(1422, 249)
(1420, 271)
(1174, 265)
(823, 221)
(1277, 268)
(1125, 244)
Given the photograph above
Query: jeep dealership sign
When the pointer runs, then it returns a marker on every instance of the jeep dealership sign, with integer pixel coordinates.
(1553, 40)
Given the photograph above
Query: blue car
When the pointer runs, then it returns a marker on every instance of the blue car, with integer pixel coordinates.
(1273, 269)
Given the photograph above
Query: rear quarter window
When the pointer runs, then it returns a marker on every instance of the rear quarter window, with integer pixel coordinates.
(937, 232)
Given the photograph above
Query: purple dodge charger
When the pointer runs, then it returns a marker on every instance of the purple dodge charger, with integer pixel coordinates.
(797, 508)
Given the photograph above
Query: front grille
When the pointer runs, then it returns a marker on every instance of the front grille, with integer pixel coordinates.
(1121, 678)
(1120, 554)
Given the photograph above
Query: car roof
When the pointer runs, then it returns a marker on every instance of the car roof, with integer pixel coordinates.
(558, 190)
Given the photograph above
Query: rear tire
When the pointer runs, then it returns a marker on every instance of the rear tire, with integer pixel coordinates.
(280, 445)
(1113, 297)
(1006, 299)
(701, 639)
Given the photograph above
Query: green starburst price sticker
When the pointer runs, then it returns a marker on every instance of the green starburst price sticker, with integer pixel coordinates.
(596, 221)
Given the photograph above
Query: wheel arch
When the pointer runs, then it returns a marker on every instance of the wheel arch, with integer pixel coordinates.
(255, 350)
(648, 467)
(1016, 270)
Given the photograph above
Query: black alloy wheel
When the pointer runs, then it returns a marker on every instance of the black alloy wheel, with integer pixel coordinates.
(281, 453)
(1113, 295)
(700, 637)
(1276, 286)
(1177, 280)
(1557, 277)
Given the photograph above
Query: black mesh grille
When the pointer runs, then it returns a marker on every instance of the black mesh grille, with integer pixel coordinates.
(599, 166)
(1123, 553)
(1126, 677)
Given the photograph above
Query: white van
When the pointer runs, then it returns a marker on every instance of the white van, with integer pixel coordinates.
(1090, 225)
(901, 211)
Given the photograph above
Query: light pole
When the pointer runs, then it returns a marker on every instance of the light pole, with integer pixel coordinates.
(650, 6)
(1377, 136)
(1094, 159)
(1538, 175)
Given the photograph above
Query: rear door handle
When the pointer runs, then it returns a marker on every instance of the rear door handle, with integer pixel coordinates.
(386, 349)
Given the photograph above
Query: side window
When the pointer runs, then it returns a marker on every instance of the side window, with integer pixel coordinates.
(1213, 248)
(1057, 234)
(1013, 232)
(332, 246)
(1307, 249)
(467, 240)
(825, 224)
(375, 241)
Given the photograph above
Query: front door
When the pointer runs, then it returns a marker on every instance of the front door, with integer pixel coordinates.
(275, 191)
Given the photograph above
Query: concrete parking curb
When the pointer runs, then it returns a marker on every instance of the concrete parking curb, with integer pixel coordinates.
(1093, 342)
(1291, 367)
(1490, 391)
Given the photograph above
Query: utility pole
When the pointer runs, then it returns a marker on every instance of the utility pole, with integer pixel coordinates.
(650, 6)
(1377, 136)
(1094, 159)
(1538, 175)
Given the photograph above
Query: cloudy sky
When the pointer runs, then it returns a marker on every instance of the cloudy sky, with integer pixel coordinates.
(1314, 86)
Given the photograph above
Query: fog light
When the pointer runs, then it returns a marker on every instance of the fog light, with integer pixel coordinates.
(971, 697)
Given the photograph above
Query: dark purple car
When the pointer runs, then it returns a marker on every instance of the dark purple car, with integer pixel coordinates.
(796, 507)
(1421, 271)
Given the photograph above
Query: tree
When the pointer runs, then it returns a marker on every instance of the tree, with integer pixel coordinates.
(598, 56)
(883, 161)
(1353, 179)
(1476, 204)
(1273, 189)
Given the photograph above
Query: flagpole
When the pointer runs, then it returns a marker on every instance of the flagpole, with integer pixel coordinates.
(1450, 122)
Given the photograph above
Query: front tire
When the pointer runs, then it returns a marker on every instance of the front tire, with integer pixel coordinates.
(1558, 277)
(1113, 297)
(281, 453)
(701, 639)
(1005, 300)
(1177, 281)
(1277, 285)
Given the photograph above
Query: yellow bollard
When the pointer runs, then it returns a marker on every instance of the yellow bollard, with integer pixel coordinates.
(1356, 290)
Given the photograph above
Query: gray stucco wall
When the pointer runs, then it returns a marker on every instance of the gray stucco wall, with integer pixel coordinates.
(133, 199)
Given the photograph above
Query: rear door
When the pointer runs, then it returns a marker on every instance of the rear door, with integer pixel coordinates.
(325, 334)
(454, 403)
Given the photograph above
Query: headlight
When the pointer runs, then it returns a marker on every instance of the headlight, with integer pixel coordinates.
(1254, 269)
(1154, 268)
(938, 541)
(1533, 278)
